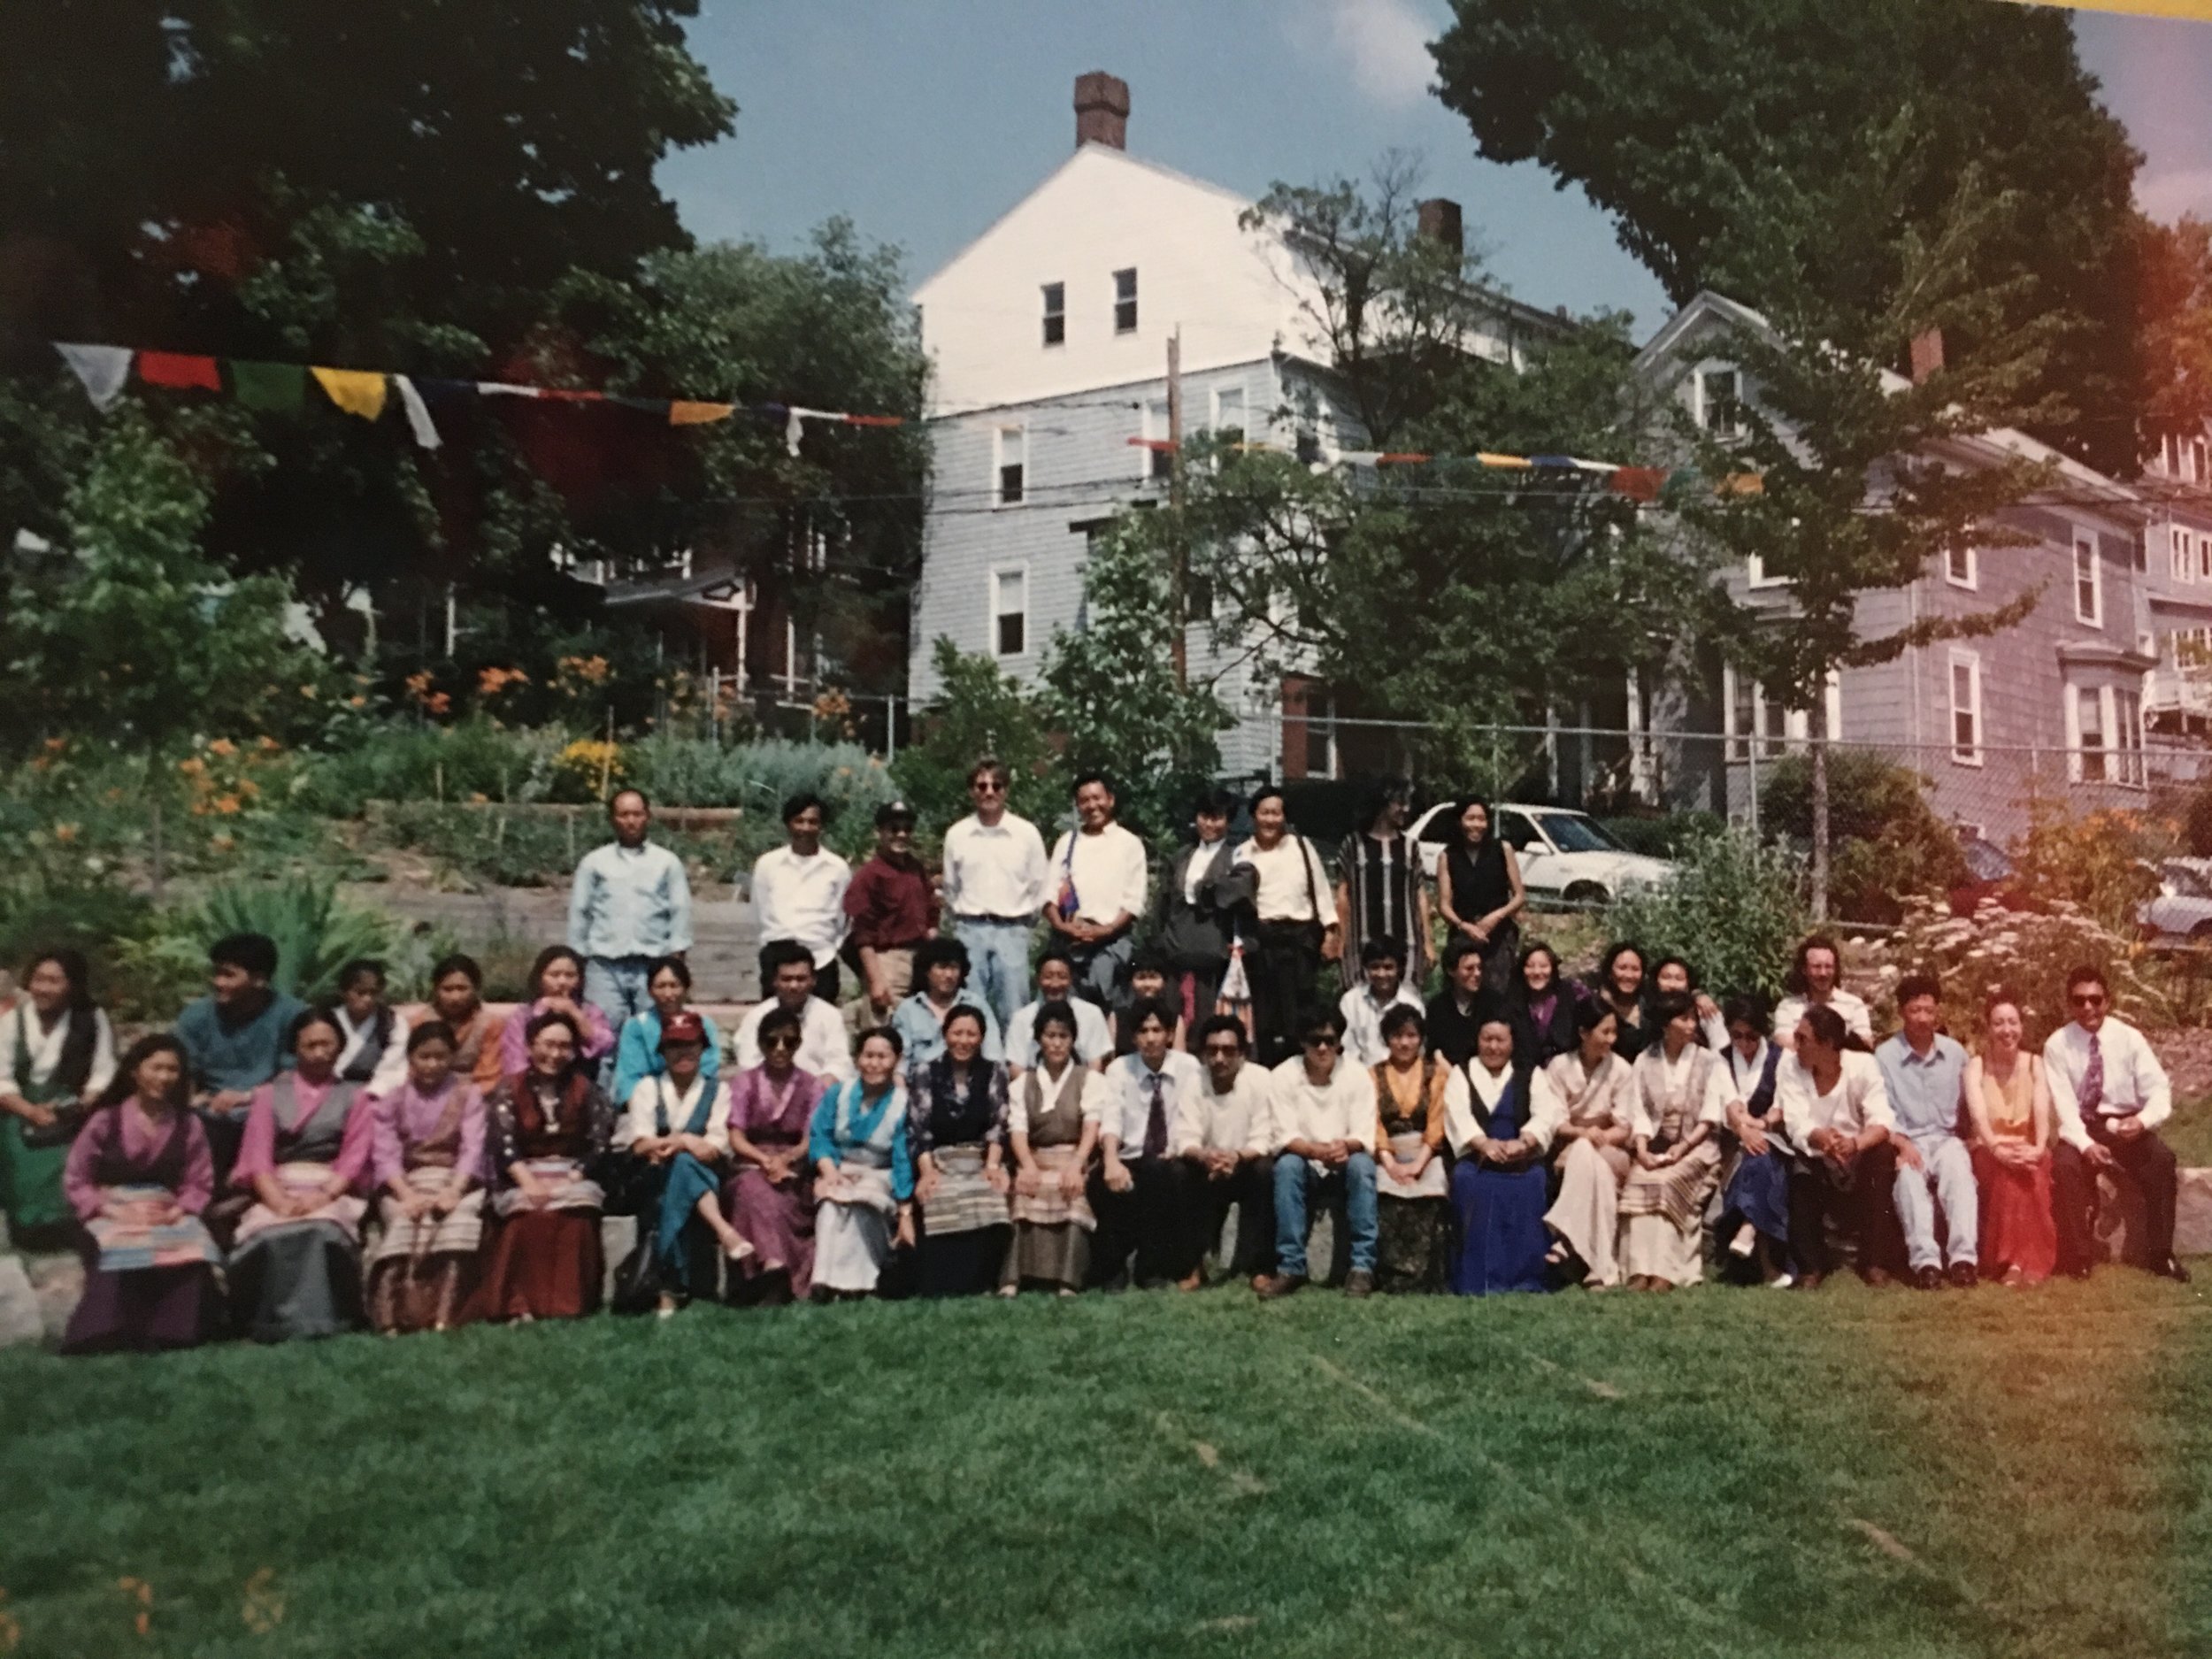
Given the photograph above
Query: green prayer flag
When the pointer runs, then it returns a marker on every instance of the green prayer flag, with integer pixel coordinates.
(273, 386)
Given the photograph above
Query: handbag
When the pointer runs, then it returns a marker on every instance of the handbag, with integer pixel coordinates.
(637, 1278)
(68, 1118)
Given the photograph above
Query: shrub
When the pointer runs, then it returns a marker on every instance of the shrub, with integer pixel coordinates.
(2026, 952)
(1733, 908)
(1664, 835)
(316, 933)
(2103, 862)
(977, 712)
(476, 759)
(1885, 840)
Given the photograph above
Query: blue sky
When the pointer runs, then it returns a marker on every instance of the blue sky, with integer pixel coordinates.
(924, 119)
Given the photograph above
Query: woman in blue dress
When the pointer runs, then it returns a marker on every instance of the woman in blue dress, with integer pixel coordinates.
(1499, 1139)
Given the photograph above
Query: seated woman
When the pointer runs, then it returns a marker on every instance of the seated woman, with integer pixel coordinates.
(864, 1173)
(138, 1177)
(637, 1052)
(556, 987)
(57, 1057)
(1413, 1214)
(294, 1267)
(1499, 1132)
(2009, 1100)
(457, 997)
(1620, 986)
(373, 1036)
(956, 1119)
(1673, 976)
(1540, 1006)
(547, 1129)
(1681, 1096)
(1052, 1125)
(676, 1129)
(940, 974)
(771, 1195)
(429, 1153)
(1755, 1192)
(1589, 1147)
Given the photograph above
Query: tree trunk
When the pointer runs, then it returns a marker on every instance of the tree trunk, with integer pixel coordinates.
(1819, 750)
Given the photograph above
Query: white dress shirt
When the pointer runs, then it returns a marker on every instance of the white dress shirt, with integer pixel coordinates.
(1126, 1099)
(1364, 1043)
(1539, 1113)
(1857, 1100)
(1674, 1076)
(639, 1118)
(1241, 1120)
(995, 870)
(391, 1065)
(1791, 1011)
(802, 899)
(1343, 1108)
(824, 1046)
(1293, 885)
(19, 1027)
(2135, 1084)
(1093, 1037)
(1109, 871)
(1202, 855)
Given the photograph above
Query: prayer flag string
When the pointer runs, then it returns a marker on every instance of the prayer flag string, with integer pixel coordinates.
(1643, 485)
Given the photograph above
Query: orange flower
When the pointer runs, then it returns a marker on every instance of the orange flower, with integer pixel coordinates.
(267, 745)
(192, 767)
(307, 691)
(249, 788)
(222, 746)
(55, 745)
(64, 832)
(438, 703)
(356, 702)
(223, 843)
(226, 804)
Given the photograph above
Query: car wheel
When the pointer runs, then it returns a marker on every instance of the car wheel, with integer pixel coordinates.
(1586, 893)
(2202, 932)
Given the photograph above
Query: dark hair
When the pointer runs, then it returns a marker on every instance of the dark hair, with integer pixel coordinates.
(2087, 974)
(1383, 948)
(457, 962)
(801, 802)
(777, 955)
(74, 967)
(437, 1030)
(1380, 797)
(676, 965)
(124, 1084)
(1456, 951)
(1613, 954)
(992, 765)
(1592, 1014)
(1795, 980)
(1149, 959)
(1085, 779)
(1683, 962)
(1828, 1027)
(967, 1011)
(2002, 997)
(1398, 1016)
(73, 1066)
(1056, 952)
(1311, 1020)
(878, 1034)
(1267, 792)
(1917, 984)
(932, 952)
(359, 969)
(1051, 1014)
(1747, 1010)
(1154, 1007)
(627, 788)
(1669, 1006)
(1533, 947)
(547, 957)
(780, 1018)
(1215, 804)
(1459, 816)
(1216, 1023)
(551, 1016)
(256, 953)
(308, 1017)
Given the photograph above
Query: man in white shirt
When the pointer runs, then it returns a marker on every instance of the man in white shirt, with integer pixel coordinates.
(799, 892)
(1816, 980)
(1837, 1119)
(995, 880)
(1323, 1111)
(2109, 1094)
(787, 969)
(1098, 881)
(1224, 1140)
(1365, 1006)
(1137, 1191)
(1056, 983)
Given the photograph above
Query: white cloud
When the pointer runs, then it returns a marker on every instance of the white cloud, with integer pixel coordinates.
(1384, 43)
(2166, 196)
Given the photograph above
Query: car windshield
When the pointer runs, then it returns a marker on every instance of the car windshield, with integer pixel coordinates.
(2186, 883)
(1571, 833)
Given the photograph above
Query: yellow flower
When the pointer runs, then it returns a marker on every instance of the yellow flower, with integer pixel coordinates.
(307, 691)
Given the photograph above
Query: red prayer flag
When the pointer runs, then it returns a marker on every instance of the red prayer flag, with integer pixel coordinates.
(1638, 483)
(177, 369)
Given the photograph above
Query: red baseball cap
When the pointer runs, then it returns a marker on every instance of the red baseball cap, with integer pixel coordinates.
(684, 1027)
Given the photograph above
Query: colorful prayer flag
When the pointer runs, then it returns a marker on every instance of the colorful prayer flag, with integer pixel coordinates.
(685, 412)
(280, 387)
(357, 391)
(1638, 483)
(419, 421)
(180, 370)
(102, 371)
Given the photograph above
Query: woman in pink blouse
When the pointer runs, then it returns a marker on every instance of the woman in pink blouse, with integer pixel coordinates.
(556, 986)
(428, 1161)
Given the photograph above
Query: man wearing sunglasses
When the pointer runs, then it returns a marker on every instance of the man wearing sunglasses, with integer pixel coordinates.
(1324, 1116)
(995, 880)
(2110, 1094)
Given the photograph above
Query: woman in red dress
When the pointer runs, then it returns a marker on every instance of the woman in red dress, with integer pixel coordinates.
(549, 1127)
(2009, 1099)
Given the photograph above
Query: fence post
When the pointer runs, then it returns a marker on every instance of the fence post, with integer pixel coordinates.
(1751, 771)
(890, 726)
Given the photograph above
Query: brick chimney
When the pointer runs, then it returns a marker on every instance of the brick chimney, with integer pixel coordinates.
(1439, 221)
(1102, 110)
(1927, 354)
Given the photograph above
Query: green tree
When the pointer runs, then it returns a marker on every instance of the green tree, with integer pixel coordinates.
(1887, 843)
(977, 712)
(1734, 907)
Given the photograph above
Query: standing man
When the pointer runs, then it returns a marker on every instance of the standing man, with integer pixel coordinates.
(787, 976)
(2110, 1094)
(630, 906)
(1324, 1113)
(1100, 881)
(995, 880)
(1380, 892)
(890, 909)
(1137, 1191)
(799, 891)
(1198, 900)
(1922, 1072)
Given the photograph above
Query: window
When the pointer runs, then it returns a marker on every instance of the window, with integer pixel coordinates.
(2141, 549)
(2181, 555)
(1010, 465)
(1056, 294)
(1962, 566)
(1718, 410)
(1309, 448)
(2204, 554)
(1755, 574)
(1009, 611)
(1158, 463)
(1966, 708)
(2088, 581)
(1229, 413)
(1198, 599)
(2169, 456)
(1742, 713)
(2127, 726)
(1125, 301)
(2200, 463)
(2088, 734)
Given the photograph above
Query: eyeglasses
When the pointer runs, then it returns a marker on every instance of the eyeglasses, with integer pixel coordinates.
(987, 786)
(780, 1039)
(2087, 999)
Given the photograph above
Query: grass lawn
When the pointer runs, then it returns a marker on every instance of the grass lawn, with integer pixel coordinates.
(1716, 1473)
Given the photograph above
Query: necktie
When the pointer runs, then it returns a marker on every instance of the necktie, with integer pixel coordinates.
(2093, 1077)
(1156, 1119)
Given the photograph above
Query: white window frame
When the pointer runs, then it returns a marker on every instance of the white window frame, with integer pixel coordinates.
(1972, 576)
(993, 612)
(1053, 313)
(1019, 435)
(1967, 754)
(2085, 542)
(1131, 301)
(1755, 574)
(1707, 370)
(2181, 555)
(2077, 751)
(1155, 425)
(1223, 395)
(2126, 724)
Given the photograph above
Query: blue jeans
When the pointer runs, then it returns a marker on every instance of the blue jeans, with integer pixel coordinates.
(1295, 1179)
(998, 964)
(615, 986)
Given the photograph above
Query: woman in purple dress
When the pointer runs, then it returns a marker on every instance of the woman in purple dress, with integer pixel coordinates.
(139, 1175)
(428, 1161)
(556, 987)
(770, 1196)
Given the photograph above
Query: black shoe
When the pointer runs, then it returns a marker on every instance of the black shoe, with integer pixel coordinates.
(1359, 1282)
(2080, 1270)
(2175, 1270)
(1927, 1279)
(1965, 1275)
(1275, 1286)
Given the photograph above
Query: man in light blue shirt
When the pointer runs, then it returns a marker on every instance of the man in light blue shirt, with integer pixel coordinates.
(1923, 1073)
(631, 905)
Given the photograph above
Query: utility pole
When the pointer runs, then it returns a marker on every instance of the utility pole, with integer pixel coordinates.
(1179, 556)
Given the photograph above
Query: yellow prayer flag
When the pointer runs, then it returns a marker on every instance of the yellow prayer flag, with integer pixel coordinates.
(681, 413)
(357, 391)
(1503, 460)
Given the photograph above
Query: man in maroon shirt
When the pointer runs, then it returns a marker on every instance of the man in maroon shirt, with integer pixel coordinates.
(892, 908)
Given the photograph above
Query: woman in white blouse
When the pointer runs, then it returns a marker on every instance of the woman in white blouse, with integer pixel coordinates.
(56, 1054)
(1682, 1091)
(1294, 932)
(1589, 1130)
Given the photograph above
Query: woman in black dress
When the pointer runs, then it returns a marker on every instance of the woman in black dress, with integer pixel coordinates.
(1478, 889)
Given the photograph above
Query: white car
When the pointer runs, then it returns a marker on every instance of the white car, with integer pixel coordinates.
(2183, 909)
(1564, 854)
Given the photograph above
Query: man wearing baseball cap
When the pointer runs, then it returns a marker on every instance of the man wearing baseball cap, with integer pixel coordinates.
(891, 909)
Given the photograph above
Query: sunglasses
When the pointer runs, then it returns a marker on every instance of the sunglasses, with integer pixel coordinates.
(780, 1039)
(987, 786)
(2087, 999)
(1321, 1042)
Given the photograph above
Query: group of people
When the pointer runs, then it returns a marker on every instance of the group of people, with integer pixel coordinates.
(958, 1130)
